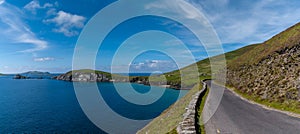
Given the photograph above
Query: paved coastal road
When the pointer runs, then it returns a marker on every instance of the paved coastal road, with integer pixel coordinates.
(236, 116)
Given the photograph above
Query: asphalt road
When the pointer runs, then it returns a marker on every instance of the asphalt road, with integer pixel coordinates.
(236, 116)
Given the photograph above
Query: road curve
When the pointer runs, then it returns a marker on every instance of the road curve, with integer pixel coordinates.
(236, 116)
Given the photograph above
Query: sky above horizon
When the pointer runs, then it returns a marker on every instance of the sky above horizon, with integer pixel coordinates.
(41, 34)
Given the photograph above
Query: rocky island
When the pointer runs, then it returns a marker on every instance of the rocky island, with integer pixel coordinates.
(85, 76)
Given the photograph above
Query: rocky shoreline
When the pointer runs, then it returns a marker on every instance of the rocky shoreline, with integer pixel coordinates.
(83, 77)
(98, 76)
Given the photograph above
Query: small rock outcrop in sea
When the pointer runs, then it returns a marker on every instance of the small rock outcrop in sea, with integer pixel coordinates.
(18, 76)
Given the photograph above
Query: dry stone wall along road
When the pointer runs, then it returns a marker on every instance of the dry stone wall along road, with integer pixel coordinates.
(188, 125)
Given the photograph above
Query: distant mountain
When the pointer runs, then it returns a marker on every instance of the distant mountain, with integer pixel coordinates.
(34, 75)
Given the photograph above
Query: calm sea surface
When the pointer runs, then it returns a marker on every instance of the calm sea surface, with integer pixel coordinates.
(50, 106)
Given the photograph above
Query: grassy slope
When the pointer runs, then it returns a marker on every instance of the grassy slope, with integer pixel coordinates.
(171, 117)
(284, 40)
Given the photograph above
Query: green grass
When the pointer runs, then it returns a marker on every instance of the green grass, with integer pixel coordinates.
(200, 109)
(173, 131)
(170, 118)
(289, 105)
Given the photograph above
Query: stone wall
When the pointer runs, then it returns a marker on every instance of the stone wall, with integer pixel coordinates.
(189, 122)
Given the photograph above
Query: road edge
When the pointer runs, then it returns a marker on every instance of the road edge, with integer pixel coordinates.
(258, 104)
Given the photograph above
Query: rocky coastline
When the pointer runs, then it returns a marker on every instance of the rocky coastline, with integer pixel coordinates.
(98, 76)
(83, 77)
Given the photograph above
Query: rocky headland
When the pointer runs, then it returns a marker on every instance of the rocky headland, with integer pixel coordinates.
(85, 76)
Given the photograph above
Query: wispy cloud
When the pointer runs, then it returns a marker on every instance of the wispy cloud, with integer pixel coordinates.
(34, 5)
(242, 22)
(249, 21)
(43, 59)
(15, 30)
(67, 23)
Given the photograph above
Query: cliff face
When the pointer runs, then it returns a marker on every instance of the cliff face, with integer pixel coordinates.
(83, 76)
(270, 71)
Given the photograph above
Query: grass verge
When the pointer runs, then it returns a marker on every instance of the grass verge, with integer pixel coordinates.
(201, 128)
(288, 106)
(171, 117)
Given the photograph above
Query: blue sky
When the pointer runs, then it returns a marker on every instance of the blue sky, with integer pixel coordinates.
(41, 34)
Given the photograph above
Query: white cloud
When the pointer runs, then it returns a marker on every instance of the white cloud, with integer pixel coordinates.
(14, 30)
(67, 23)
(43, 59)
(39, 44)
(34, 5)
(51, 11)
(2, 1)
(153, 65)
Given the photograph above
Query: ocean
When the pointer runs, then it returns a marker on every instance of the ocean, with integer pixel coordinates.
(51, 106)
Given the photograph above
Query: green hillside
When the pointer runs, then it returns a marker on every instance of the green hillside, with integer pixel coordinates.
(270, 73)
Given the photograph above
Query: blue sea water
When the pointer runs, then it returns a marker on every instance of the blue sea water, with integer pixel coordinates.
(50, 106)
(139, 74)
